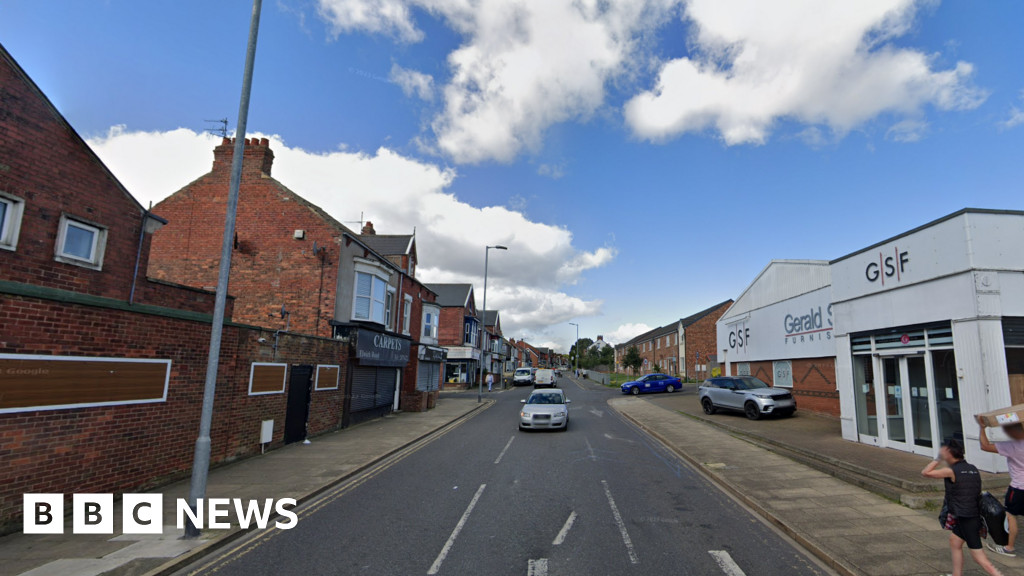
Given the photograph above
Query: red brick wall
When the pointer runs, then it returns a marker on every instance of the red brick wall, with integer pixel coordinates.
(451, 332)
(702, 336)
(411, 399)
(269, 268)
(814, 383)
(128, 447)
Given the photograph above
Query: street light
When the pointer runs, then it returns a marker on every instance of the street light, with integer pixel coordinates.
(577, 346)
(483, 326)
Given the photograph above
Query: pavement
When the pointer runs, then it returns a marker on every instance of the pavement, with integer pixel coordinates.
(300, 471)
(852, 530)
(602, 498)
(817, 440)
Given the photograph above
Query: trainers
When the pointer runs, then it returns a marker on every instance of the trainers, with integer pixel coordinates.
(1002, 550)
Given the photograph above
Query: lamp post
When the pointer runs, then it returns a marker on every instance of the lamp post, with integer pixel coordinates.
(483, 327)
(577, 346)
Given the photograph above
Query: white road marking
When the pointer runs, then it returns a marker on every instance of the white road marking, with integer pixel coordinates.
(596, 412)
(726, 563)
(565, 529)
(455, 533)
(590, 449)
(537, 567)
(503, 450)
(633, 559)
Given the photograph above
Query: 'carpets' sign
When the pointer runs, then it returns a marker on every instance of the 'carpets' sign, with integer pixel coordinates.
(376, 349)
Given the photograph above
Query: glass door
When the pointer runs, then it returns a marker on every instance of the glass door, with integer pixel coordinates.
(892, 387)
(918, 404)
(864, 398)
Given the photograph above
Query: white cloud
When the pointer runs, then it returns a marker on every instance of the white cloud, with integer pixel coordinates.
(1016, 117)
(626, 332)
(412, 82)
(522, 67)
(753, 63)
(908, 130)
(397, 194)
(553, 171)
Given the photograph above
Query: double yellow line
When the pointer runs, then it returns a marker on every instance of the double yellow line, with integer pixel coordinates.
(328, 497)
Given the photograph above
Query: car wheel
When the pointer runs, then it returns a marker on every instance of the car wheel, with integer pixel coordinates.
(709, 408)
(566, 427)
(752, 411)
(670, 388)
(634, 391)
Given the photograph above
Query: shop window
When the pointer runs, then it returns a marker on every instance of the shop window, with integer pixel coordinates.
(80, 243)
(864, 395)
(11, 208)
(947, 394)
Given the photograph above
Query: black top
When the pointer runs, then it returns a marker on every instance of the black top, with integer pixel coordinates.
(964, 495)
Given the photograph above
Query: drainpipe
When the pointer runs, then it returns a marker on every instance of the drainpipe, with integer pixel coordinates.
(138, 253)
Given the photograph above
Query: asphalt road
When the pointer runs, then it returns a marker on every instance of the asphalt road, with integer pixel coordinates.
(485, 499)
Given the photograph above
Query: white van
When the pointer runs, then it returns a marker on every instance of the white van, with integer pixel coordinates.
(545, 378)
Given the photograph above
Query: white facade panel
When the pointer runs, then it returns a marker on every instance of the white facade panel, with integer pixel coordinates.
(984, 384)
(937, 251)
(844, 382)
(781, 280)
(950, 298)
(1011, 288)
(799, 327)
(996, 240)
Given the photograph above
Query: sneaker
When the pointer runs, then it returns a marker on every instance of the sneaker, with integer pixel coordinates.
(1002, 550)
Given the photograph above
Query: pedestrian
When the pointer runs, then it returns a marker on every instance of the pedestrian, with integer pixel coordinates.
(490, 381)
(963, 497)
(1013, 451)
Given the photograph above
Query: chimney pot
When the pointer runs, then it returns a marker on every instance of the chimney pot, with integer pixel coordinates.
(264, 142)
(368, 229)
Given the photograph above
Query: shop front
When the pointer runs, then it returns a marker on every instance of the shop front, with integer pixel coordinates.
(375, 372)
(461, 367)
(929, 332)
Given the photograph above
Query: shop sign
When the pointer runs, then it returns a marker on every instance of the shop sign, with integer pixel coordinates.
(783, 373)
(377, 349)
(432, 354)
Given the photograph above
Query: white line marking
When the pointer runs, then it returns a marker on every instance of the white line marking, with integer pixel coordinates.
(503, 450)
(590, 449)
(455, 533)
(537, 567)
(726, 563)
(633, 559)
(565, 529)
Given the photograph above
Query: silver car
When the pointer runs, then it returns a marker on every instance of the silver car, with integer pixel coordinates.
(746, 394)
(545, 410)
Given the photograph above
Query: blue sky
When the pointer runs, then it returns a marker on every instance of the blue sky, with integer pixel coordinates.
(686, 211)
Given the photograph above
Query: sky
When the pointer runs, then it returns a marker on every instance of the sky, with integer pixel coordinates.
(642, 159)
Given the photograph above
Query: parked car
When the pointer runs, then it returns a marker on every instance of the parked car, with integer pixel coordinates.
(545, 410)
(746, 394)
(544, 378)
(558, 373)
(522, 377)
(583, 373)
(652, 383)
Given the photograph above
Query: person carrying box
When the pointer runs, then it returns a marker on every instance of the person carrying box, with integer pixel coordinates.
(1013, 451)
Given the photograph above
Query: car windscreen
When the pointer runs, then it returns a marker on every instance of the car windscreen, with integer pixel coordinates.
(750, 383)
(547, 398)
(522, 372)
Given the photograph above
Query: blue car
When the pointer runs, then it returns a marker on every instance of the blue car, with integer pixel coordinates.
(652, 383)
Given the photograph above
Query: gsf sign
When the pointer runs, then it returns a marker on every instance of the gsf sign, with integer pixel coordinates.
(887, 267)
(739, 337)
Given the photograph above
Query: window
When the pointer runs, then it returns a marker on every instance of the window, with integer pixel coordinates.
(11, 208)
(80, 243)
(659, 343)
(430, 322)
(370, 299)
(389, 306)
(406, 314)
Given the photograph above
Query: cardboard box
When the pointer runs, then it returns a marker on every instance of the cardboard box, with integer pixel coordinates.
(1004, 416)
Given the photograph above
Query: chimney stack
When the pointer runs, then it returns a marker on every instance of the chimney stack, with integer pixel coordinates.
(368, 229)
(257, 155)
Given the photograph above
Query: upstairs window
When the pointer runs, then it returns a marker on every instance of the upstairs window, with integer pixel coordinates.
(11, 208)
(80, 243)
(406, 314)
(430, 322)
(370, 299)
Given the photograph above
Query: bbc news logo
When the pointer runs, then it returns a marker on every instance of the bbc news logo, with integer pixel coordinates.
(144, 513)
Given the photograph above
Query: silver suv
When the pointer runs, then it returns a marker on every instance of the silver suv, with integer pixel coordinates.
(746, 394)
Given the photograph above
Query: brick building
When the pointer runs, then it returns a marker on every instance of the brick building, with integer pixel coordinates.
(496, 346)
(297, 269)
(459, 333)
(101, 368)
(692, 339)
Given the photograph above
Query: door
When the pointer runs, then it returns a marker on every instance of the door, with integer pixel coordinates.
(919, 405)
(892, 399)
(906, 404)
(297, 409)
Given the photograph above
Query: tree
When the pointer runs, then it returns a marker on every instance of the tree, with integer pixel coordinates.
(632, 359)
(584, 344)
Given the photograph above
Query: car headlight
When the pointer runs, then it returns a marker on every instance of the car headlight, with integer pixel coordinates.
(524, 414)
(559, 414)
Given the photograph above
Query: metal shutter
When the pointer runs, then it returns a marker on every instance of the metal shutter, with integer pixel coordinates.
(427, 376)
(386, 381)
(364, 388)
(1013, 331)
